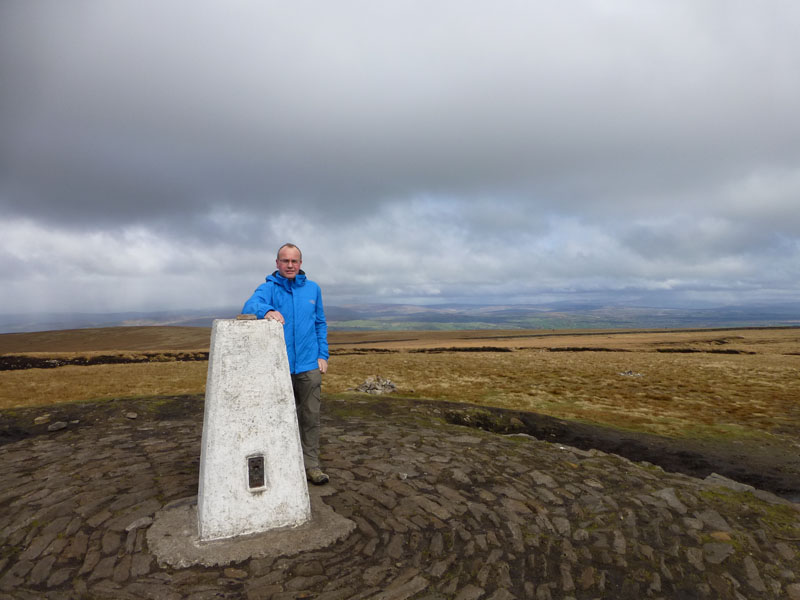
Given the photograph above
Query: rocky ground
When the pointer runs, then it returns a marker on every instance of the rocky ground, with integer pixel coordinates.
(443, 510)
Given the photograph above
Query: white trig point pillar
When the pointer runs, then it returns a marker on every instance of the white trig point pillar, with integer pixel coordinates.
(251, 463)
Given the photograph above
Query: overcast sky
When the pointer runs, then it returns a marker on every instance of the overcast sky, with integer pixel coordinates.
(155, 154)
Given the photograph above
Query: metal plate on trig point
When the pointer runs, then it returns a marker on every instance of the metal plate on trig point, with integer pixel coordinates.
(255, 472)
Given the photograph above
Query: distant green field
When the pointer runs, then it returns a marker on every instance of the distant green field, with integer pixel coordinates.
(548, 322)
(377, 325)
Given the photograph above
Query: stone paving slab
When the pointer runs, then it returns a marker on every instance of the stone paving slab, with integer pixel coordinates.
(440, 511)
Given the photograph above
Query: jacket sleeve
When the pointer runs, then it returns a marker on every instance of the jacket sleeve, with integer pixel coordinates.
(260, 303)
(321, 326)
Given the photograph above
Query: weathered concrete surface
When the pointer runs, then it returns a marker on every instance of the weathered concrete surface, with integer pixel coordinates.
(441, 511)
(249, 413)
(174, 541)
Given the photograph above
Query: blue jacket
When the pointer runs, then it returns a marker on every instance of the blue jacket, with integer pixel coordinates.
(305, 331)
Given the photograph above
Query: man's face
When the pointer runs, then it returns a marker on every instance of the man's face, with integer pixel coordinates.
(289, 262)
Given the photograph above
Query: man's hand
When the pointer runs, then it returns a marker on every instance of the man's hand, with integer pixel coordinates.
(274, 315)
(323, 365)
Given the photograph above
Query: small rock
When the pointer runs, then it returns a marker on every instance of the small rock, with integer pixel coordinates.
(785, 551)
(695, 558)
(771, 498)
(543, 479)
(714, 520)
(56, 426)
(40, 420)
(793, 591)
(668, 494)
(139, 523)
(562, 525)
(693, 523)
(619, 544)
(580, 535)
(715, 553)
(753, 576)
(461, 477)
(232, 573)
(587, 578)
(131, 415)
(630, 373)
(720, 480)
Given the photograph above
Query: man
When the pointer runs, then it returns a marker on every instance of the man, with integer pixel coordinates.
(296, 302)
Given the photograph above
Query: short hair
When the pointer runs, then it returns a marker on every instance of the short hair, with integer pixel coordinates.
(288, 245)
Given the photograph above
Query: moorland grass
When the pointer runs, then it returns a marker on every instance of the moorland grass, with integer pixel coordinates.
(43, 387)
(634, 387)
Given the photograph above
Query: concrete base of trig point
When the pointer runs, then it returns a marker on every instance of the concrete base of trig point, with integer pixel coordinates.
(173, 539)
(251, 463)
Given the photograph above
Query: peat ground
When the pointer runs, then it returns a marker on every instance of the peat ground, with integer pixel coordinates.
(18, 362)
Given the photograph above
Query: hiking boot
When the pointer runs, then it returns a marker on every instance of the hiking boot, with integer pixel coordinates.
(316, 476)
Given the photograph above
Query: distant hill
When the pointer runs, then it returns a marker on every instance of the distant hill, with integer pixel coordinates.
(399, 317)
(13, 323)
(382, 317)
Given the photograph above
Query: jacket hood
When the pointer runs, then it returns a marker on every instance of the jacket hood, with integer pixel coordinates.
(299, 280)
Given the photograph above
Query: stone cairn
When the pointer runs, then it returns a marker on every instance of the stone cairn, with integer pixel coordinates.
(375, 384)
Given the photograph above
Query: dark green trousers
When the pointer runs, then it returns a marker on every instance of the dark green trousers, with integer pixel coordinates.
(307, 388)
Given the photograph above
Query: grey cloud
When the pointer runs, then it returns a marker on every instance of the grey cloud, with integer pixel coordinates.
(597, 145)
(268, 107)
(686, 239)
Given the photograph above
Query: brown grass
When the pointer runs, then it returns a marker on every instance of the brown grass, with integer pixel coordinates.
(702, 393)
(676, 394)
(107, 339)
(775, 340)
(42, 387)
